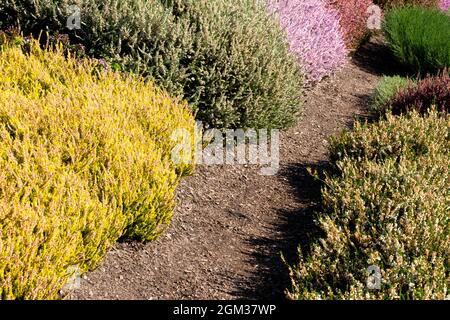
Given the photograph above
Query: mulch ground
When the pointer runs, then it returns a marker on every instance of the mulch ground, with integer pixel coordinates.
(231, 224)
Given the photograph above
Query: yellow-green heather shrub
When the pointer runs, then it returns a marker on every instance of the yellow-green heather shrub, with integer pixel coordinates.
(386, 204)
(85, 158)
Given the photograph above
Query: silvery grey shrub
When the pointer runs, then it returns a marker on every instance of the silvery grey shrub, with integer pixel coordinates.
(228, 59)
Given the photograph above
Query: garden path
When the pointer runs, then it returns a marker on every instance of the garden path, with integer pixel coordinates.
(231, 224)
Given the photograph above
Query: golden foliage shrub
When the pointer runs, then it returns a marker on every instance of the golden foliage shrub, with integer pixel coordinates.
(85, 158)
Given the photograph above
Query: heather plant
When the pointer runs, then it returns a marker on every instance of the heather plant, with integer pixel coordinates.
(444, 5)
(85, 159)
(385, 90)
(228, 59)
(385, 208)
(314, 35)
(433, 91)
(418, 37)
(353, 20)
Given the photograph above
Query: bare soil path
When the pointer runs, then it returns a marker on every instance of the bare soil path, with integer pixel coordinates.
(231, 224)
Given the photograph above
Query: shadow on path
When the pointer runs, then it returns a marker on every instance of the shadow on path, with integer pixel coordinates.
(376, 58)
(294, 227)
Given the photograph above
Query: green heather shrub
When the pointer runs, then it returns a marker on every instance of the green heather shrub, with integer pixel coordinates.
(419, 38)
(85, 159)
(228, 59)
(386, 89)
(385, 204)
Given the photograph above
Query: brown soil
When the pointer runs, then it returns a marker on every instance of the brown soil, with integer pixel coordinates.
(231, 224)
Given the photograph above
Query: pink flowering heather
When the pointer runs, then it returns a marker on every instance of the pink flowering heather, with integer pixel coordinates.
(444, 5)
(314, 35)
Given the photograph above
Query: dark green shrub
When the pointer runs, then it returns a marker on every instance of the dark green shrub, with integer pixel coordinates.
(386, 205)
(419, 38)
(228, 59)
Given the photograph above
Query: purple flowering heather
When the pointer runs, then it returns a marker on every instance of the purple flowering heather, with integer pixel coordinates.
(314, 35)
(444, 5)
